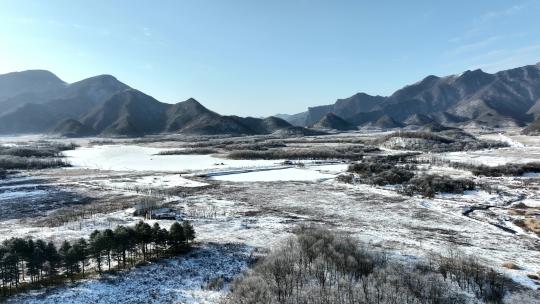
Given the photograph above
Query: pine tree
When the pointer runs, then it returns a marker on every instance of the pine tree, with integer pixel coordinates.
(176, 236)
(65, 257)
(52, 258)
(96, 248)
(80, 249)
(108, 245)
(189, 232)
(122, 241)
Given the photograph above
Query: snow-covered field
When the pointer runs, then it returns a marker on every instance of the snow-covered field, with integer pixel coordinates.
(523, 149)
(496, 157)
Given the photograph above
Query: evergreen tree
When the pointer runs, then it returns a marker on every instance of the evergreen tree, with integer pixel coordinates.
(122, 243)
(96, 248)
(144, 236)
(189, 231)
(108, 245)
(52, 258)
(66, 258)
(80, 252)
(176, 236)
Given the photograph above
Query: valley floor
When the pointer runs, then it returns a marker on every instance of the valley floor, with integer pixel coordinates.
(242, 208)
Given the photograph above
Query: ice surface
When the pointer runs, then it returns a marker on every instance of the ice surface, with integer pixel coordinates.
(288, 174)
(137, 158)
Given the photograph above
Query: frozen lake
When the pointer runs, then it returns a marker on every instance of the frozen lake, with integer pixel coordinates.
(137, 158)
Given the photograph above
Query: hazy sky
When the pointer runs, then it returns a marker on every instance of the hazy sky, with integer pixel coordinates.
(258, 58)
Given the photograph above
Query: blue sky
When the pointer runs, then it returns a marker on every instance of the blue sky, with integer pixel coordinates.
(257, 57)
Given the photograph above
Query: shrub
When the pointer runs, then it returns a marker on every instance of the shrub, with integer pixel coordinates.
(356, 152)
(27, 163)
(507, 170)
(427, 141)
(429, 185)
(382, 172)
(190, 151)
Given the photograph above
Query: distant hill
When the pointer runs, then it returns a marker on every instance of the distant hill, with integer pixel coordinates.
(331, 121)
(297, 132)
(506, 98)
(384, 122)
(295, 119)
(73, 128)
(533, 128)
(35, 86)
(418, 120)
(39, 102)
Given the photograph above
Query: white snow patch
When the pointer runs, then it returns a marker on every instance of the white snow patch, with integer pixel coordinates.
(501, 137)
(334, 168)
(496, 157)
(531, 203)
(168, 181)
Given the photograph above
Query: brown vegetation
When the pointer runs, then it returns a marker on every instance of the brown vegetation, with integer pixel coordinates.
(319, 266)
(530, 224)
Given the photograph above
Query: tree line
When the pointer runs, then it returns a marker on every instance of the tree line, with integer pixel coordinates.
(28, 262)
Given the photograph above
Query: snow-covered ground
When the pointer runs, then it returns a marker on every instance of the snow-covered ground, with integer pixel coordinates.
(256, 204)
(523, 149)
(155, 181)
(180, 280)
(504, 138)
(496, 157)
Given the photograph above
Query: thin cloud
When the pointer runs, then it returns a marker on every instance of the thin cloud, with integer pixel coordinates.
(467, 35)
(502, 13)
(480, 22)
(500, 59)
(146, 32)
(465, 48)
(513, 58)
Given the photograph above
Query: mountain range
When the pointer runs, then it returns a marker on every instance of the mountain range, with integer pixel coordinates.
(505, 98)
(38, 101)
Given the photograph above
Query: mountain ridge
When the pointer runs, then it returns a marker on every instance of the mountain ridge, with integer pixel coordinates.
(103, 105)
(510, 97)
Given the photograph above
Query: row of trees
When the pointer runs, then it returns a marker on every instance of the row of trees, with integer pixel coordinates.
(31, 261)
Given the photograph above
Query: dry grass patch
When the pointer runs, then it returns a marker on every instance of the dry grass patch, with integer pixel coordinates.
(510, 265)
(530, 224)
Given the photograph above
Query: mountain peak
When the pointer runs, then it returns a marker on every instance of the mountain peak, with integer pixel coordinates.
(105, 78)
(192, 101)
(33, 75)
(100, 81)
